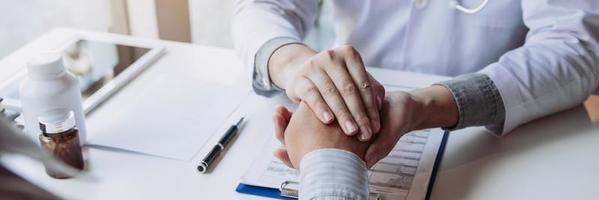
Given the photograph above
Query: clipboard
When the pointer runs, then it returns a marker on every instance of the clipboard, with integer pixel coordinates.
(288, 190)
(262, 191)
(285, 191)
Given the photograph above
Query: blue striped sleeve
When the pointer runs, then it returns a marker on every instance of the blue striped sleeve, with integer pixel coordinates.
(333, 174)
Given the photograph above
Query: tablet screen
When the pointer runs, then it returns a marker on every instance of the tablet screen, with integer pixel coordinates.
(101, 68)
(95, 63)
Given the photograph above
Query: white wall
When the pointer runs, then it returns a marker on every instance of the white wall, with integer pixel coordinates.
(23, 20)
(211, 22)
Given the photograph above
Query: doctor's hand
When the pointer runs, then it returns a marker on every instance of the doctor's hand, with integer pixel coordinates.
(403, 112)
(304, 133)
(334, 84)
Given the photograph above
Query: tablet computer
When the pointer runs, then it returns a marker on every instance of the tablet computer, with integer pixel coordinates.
(101, 67)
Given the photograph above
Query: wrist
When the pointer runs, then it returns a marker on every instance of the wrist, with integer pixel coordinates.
(438, 107)
(336, 141)
(285, 61)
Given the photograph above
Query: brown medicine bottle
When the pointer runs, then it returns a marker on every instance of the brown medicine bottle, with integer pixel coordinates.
(60, 137)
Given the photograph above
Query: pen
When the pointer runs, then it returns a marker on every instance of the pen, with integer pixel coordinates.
(219, 147)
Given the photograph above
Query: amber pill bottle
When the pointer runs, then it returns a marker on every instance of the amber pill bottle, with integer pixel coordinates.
(60, 137)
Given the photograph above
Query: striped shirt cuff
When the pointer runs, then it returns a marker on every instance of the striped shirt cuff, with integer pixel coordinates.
(478, 100)
(333, 174)
(262, 83)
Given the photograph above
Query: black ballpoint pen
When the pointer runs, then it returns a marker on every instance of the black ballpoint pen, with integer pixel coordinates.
(219, 147)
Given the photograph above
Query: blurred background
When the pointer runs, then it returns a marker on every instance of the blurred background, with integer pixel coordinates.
(204, 22)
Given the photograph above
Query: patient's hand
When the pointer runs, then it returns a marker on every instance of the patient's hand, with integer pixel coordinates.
(306, 133)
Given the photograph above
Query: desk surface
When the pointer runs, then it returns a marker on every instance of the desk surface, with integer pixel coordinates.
(551, 158)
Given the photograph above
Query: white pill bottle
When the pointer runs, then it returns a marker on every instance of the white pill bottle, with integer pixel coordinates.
(48, 86)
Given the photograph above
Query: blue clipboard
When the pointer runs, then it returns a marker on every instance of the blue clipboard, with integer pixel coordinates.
(276, 194)
(261, 191)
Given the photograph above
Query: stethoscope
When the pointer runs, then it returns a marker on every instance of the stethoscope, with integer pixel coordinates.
(458, 6)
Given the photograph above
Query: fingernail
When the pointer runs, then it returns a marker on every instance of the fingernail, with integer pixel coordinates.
(350, 127)
(327, 116)
(366, 135)
(377, 126)
(380, 102)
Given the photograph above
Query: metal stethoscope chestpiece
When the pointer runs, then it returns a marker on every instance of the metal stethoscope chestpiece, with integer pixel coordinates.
(455, 4)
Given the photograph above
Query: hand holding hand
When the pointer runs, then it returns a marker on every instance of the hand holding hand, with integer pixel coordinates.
(333, 83)
(401, 113)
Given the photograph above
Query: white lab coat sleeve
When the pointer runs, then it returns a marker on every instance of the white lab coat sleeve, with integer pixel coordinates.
(256, 22)
(557, 67)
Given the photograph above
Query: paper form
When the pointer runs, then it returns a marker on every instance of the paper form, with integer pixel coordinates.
(404, 174)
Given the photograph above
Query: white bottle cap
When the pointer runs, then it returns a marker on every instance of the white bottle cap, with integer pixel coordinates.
(56, 121)
(46, 65)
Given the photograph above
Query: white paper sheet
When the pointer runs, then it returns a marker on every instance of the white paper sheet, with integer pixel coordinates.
(171, 119)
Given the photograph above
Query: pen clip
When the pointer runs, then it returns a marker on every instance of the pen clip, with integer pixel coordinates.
(289, 189)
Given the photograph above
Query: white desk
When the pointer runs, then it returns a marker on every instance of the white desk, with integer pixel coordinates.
(554, 158)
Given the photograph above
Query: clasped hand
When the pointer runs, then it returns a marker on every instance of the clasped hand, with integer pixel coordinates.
(333, 83)
(302, 132)
(338, 99)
